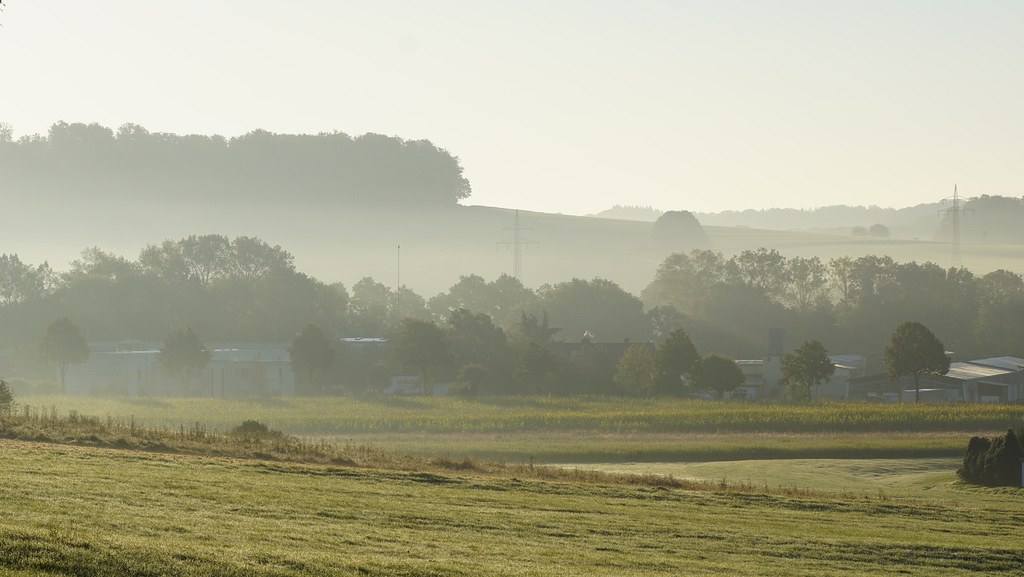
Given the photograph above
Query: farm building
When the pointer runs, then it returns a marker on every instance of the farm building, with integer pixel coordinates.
(764, 378)
(995, 380)
(236, 370)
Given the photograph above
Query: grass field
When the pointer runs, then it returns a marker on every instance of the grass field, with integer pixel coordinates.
(612, 415)
(89, 502)
(920, 479)
(577, 430)
(101, 512)
(597, 447)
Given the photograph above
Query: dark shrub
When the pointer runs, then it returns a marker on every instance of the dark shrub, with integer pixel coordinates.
(994, 463)
(251, 428)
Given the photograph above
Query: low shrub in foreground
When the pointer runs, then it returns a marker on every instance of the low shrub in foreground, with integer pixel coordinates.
(993, 462)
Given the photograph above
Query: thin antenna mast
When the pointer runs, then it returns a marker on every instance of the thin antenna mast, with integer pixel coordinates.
(517, 243)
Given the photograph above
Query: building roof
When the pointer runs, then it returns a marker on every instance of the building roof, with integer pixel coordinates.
(972, 372)
(851, 362)
(1008, 363)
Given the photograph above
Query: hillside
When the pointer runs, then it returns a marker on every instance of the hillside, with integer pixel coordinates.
(437, 245)
(343, 205)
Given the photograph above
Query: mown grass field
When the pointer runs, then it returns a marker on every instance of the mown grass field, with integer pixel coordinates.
(578, 430)
(922, 479)
(78, 511)
(597, 447)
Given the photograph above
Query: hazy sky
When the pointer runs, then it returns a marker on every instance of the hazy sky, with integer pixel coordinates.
(565, 106)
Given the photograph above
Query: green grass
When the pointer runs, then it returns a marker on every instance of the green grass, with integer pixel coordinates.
(920, 479)
(596, 447)
(333, 416)
(96, 512)
(577, 430)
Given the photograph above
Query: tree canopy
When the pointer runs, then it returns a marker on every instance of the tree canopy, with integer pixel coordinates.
(65, 346)
(310, 352)
(324, 168)
(674, 358)
(634, 374)
(183, 354)
(715, 372)
(424, 348)
(807, 366)
(914, 350)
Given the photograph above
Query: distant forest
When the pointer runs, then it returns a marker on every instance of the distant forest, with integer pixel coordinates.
(245, 290)
(326, 168)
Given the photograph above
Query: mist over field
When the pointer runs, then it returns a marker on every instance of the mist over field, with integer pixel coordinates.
(343, 205)
(305, 289)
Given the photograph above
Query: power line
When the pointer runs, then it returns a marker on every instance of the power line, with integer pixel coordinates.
(517, 242)
(955, 211)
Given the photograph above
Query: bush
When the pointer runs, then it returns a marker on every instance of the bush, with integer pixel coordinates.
(251, 428)
(993, 463)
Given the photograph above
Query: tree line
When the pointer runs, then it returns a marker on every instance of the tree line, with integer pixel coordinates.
(245, 290)
(853, 304)
(260, 166)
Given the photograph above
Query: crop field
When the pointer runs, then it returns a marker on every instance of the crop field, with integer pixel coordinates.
(345, 416)
(577, 430)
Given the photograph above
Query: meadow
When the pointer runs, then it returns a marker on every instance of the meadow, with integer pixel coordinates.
(87, 511)
(105, 495)
(346, 416)
(575, 430)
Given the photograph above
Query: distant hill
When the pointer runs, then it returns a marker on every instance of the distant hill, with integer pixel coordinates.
(917, 222)
(83, 186)
(987, 220)
(437, 245)
(641, 213)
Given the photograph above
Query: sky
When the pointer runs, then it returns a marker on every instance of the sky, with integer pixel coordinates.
(565, 106)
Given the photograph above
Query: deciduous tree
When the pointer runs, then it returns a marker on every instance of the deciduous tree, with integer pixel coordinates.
(597, 306)
(806, 366)
(310, 352)
(717, 373)
(634, 374)
(915, 351)
(535, 366)
(20, 282)
(183, 354)
(423, 347)
(674, 358)
(64, 345)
